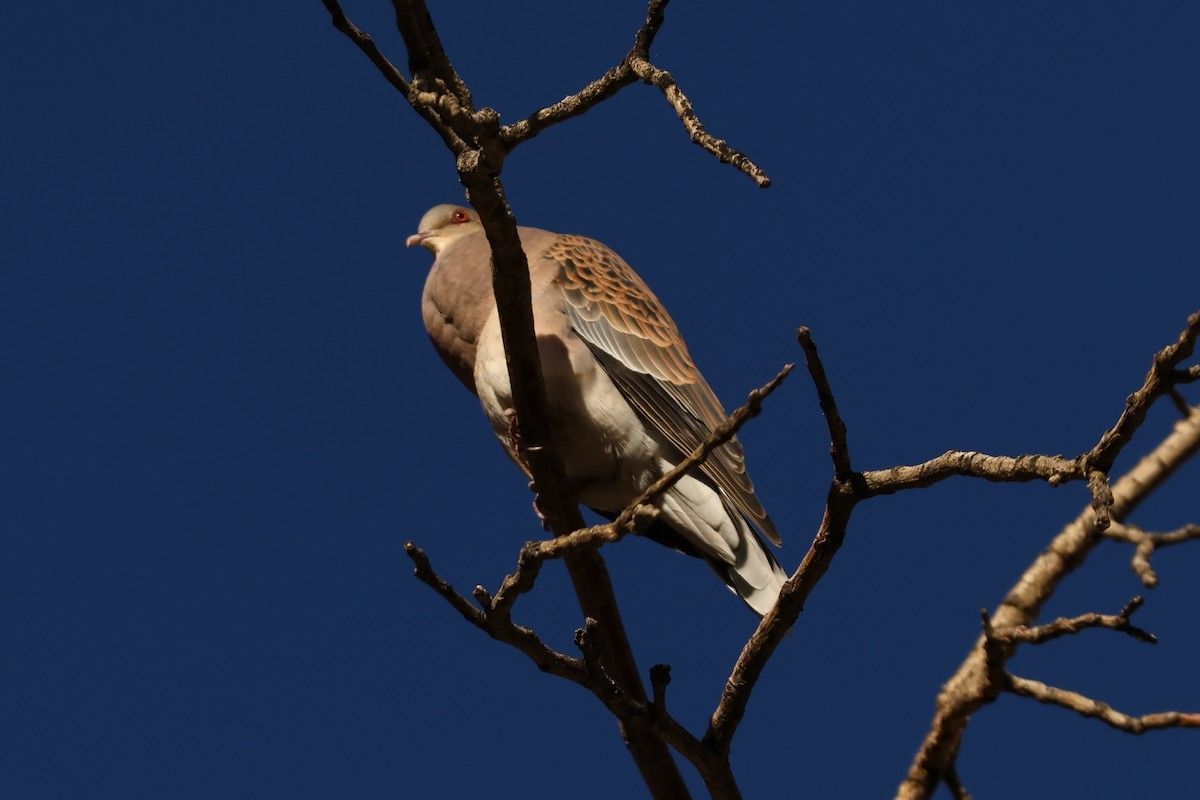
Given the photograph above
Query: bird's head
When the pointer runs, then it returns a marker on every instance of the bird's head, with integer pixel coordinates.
(442, 225)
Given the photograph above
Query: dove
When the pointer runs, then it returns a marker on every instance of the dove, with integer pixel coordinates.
(626, 401)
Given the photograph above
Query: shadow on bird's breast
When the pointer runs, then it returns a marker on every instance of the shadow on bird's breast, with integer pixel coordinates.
(556, 359)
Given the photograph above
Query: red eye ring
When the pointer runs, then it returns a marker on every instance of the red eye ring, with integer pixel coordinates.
(459, 217)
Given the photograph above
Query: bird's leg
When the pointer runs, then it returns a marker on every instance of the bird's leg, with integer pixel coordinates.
(516, 444)
(518, 449)
(514, 430)
(537, 506)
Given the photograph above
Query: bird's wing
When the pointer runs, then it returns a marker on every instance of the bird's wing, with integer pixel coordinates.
(637, 343)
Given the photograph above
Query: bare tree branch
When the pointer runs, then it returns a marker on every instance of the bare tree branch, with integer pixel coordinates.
(1102, 711)
(393, 76)
(443, 99)
(595, 92)
(1002, 469)
(1159, 380)
(666, 84)
(774, 626)
(839, 449)
(972, 686)
(1178, 400)
(846, 492)
(590, 673)
(1146, 543)
(1067, 626)
(367, 44)
(1092, 466)
(635, 66)
(976, 681)
(660, 679)
(427, 59)
(546, 658)
(955, 785)
(716, 773)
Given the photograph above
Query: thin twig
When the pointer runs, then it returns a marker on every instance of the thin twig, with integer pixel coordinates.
(660, 679)
(636, 65)
(587, 98)
(735, 696)
(1159, 380)
(425, 51)
(955, 785)
(1067, 626)
(656, 14)
(716, 438)
(393, 75)
(778, 621)
(1180, 402)
(1002, 469)
(585, 640)
(1145, 544)
(839, 448)
(546, 658)
(590, 673)
(665, 83)
(1092, 466)
(1081, 704)
(596, 92)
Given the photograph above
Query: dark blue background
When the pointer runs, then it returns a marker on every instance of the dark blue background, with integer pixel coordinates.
(222, 418)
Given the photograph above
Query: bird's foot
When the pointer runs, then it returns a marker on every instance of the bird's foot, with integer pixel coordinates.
(516, 442)
(514, 429)
(537, 506)
(539, 503)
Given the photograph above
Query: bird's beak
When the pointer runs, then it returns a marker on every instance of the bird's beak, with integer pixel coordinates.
(417, 238)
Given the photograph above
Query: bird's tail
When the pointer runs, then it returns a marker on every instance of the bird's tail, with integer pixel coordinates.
(749, 569)
(755, 575)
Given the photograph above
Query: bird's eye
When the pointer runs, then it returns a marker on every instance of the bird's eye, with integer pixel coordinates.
(459, 217)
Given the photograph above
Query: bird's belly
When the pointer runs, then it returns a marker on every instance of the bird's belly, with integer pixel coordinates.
(608, 454)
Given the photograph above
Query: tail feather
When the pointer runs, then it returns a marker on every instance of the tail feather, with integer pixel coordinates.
(751, 571)
(755, 575)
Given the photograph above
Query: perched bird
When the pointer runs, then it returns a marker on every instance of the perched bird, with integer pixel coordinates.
(625, 400)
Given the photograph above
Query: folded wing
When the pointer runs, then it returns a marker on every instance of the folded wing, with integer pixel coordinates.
(639, 346)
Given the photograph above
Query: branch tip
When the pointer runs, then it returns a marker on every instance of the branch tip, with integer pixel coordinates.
(660, 679)
(839, 447)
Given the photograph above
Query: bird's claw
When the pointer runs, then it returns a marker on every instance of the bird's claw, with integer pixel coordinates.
(537, 506)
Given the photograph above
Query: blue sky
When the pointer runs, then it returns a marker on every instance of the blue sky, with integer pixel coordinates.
(223, 418)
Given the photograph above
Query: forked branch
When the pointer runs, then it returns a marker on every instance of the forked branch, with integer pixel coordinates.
(1146, 544)
(848, 488)
(973, 684)
(1067, 626)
